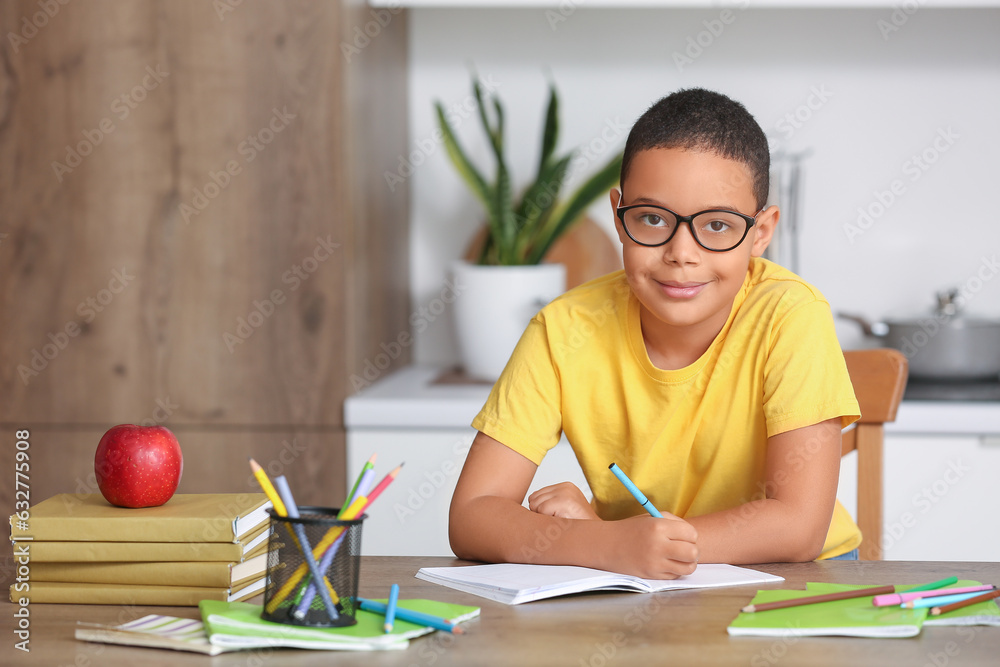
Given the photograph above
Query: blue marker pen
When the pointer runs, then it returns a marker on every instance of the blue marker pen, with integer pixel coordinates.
(634, 490)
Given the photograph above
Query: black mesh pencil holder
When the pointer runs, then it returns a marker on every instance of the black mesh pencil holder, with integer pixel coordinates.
(290, 596)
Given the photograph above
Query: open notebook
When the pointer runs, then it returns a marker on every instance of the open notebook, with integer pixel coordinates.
(514, 583)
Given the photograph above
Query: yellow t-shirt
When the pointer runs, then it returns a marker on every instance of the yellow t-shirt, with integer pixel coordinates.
(693, 439)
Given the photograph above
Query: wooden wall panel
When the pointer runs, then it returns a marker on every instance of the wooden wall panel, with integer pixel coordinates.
(237, 188)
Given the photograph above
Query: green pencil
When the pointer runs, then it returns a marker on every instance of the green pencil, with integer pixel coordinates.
(369, 464)
(934, 585)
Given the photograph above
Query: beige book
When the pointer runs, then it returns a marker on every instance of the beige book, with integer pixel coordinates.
(203, 574)
(251, 545)
(187, 517)
(170, 596)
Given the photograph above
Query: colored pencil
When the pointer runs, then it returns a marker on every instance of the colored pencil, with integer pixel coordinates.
(814, 599)
(390, 607)
(909, 596)
(268, 488)
(415, 617)
(369, 464)
(934, 585)
(937, 611)
(634, 490)
(940, 601)
(300, 531)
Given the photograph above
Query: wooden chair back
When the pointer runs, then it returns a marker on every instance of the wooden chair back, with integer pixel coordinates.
(879, 379)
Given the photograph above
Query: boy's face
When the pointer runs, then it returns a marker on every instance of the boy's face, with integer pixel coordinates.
(681, 286)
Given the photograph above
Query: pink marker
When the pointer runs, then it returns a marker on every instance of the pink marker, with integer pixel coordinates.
(900, 598)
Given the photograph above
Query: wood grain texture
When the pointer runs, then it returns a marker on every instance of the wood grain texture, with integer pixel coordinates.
(245, 288)
(679, 627)
(217, 237)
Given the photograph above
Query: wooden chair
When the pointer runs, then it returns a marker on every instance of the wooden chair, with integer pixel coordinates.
(879, 378)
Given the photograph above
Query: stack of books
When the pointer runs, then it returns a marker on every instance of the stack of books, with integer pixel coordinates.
(79, 549)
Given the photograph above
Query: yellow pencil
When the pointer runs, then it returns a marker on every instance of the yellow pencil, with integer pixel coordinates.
(269, 490)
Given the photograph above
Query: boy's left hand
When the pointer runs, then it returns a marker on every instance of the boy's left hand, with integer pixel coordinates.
(564, 500)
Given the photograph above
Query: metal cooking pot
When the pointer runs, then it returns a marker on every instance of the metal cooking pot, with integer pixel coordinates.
(944, 344)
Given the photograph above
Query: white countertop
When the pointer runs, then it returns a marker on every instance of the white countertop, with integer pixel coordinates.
(409, 399)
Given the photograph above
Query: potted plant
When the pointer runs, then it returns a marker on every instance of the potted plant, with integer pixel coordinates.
(508, 282)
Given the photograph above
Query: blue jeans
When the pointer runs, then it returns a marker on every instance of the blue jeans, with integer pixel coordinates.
(850, 555)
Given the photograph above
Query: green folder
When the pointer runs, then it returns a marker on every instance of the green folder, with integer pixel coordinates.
(239, 625)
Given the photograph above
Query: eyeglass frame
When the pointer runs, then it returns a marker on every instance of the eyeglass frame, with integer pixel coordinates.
(689, 219)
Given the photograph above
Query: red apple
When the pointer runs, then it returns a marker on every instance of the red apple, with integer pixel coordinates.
(138, 466)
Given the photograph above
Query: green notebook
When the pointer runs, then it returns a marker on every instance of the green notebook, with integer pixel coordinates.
(238, 625)
(855, 617)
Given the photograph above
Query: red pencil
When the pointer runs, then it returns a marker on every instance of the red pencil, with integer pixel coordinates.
(386, 481)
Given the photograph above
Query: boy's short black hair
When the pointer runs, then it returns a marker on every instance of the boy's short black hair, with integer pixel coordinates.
(699, 119)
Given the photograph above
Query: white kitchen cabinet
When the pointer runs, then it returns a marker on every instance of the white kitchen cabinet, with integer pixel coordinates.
(939, 489)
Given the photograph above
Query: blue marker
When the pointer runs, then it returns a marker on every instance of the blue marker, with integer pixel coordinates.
(634, 490)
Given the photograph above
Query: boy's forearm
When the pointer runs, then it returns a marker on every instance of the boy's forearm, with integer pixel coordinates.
(760, 531)
(498, 530)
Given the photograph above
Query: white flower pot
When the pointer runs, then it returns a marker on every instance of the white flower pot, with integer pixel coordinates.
(494, 305)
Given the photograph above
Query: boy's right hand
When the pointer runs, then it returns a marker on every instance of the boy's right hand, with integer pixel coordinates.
(652, 548)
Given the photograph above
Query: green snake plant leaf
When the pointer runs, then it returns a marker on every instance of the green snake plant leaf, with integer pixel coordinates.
(480, 189)
(551, 132)
(538, 202)
(569, 211)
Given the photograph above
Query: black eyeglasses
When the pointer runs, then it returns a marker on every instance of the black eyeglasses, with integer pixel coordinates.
(717, 230)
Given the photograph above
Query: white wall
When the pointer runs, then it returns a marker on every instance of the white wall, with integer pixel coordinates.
(889, 97)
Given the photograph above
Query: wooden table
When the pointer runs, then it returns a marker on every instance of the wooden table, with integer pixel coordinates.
(589, 630)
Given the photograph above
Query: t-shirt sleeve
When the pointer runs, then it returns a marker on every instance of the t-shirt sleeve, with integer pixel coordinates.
(523, 410)
(805, 375)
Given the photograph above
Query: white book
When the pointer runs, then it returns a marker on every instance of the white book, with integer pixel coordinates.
(515, 583)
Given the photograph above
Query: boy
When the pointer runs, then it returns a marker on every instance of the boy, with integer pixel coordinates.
(712, 377)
